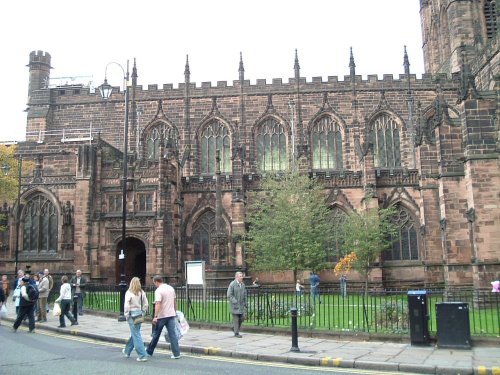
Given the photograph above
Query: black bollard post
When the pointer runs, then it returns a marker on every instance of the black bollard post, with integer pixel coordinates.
(295, 338)
(75, 307)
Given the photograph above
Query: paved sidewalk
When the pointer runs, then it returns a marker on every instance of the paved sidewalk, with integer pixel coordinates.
(384, 356)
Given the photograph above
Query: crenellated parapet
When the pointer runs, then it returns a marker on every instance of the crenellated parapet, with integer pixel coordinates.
(276, 86)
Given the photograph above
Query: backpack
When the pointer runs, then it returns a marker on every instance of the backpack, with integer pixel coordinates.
(32, 292)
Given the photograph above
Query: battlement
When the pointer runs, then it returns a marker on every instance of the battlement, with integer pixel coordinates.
(276, 85)
(39, 57)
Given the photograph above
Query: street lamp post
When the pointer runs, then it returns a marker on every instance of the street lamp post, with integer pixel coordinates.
(18, 212)
(105, 90)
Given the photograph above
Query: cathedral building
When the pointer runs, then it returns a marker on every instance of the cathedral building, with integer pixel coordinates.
(191, 155)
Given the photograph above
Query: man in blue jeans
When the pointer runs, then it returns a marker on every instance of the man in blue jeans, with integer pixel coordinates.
(164, 316)
(78, 283)
(314, 280)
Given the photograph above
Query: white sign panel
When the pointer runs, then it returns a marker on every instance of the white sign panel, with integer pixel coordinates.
(195, 273)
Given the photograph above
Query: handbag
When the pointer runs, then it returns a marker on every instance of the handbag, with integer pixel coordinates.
(56, 311)
(138, 319)
(3, 312)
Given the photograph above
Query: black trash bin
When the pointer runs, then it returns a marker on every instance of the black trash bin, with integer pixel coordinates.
(452, 323)
(417, 307)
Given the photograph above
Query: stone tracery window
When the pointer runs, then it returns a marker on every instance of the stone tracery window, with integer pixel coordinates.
(271, 146)
(338, 216)
(326, 144)
(490, 17)
(163, 131)
(386, 142)
(202, 230)
(405, 247)
(215, 136)
(39, 220)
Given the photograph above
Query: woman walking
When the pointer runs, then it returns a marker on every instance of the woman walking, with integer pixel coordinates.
(65, 301)
(136, 305)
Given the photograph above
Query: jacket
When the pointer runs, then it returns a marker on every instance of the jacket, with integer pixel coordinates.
(43, 288)
(83, 283)
(237, 297)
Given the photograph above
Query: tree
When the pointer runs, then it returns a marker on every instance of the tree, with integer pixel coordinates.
(289, 225)
(8, 183)
(367, 234)
(364, 236)
(8, 180)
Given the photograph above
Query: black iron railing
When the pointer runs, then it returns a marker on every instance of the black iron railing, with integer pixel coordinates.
(379, 311)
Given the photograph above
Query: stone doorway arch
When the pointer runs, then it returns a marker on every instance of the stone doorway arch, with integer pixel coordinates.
(135, 260)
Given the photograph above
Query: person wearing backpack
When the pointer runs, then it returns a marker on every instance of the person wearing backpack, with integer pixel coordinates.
(26, 305)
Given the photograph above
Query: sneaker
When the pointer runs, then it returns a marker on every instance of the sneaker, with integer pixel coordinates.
(31, 331)
(74, 323)
(238, 335)
(61, 326)
(125, 354)
(142, 359)
(175, 356)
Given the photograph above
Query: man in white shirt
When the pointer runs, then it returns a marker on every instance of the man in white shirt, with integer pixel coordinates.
(164, 316)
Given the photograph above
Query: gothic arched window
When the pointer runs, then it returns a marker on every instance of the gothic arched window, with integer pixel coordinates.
(161, 131)
(215, 136)
(202, 230)
(39, 219)
(271, 146)
(327, 144)
(386, 147)
(490, 17)
(338, 216)
(405, 246)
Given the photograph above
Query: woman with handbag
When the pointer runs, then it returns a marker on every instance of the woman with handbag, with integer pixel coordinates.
(65, 301)
(135, 307)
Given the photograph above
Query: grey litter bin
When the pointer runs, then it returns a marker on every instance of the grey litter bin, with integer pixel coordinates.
(417, 307)
(452, 323)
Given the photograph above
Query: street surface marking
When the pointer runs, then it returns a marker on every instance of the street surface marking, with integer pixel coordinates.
(226, 359)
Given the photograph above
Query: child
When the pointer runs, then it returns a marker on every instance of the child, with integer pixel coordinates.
(298, 288)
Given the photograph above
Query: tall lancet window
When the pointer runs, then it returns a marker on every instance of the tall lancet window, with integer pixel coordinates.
(271, 146)
(386, 146)
(39, 223)
(327, 144)
(405, 246)
(215, 136)
(161, 131)
(202, 230)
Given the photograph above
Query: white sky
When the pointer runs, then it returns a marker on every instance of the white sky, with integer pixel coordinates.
(84, 36)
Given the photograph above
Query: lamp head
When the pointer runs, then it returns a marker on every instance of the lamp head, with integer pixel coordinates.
(105, 89)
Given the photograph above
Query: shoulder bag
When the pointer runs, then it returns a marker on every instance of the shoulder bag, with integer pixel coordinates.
(138, 319)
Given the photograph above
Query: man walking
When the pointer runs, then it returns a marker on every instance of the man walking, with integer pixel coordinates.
(78, 283)
(43, 290)
(164, 316)
(26, 306)
(237, 297)
(314, 280)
